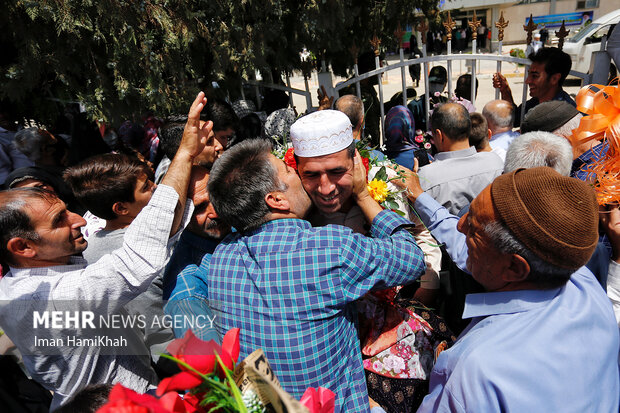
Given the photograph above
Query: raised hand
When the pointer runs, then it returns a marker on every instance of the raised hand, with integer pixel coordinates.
(325, 102)
(194, 135)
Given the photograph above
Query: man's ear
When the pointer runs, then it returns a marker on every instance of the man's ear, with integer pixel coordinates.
(21, 247)
(120, 209)
(555, 79)
(277, 202)
(518, 269)
(438, 137)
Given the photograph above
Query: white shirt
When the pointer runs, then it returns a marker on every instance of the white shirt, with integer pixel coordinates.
(102, 288)
(613, 287)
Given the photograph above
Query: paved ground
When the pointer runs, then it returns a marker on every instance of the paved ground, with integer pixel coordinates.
(392, 82)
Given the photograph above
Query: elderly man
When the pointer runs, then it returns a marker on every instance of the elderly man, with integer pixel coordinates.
(459, 173)
(540, 301)
(546, 75)
(500, 117)
(40, 239)
(286, 284)
(186, 293)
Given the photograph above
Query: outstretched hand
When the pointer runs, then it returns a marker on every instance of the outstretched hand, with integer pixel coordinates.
(195, 135)
(412, 181)
(325, 102)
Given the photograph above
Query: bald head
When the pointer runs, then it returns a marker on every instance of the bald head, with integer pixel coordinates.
(353, 107)
(453, 120)
(499, 115)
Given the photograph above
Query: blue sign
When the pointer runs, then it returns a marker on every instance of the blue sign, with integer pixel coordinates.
(555, 20)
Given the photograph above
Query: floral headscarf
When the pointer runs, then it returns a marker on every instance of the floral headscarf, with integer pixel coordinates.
(399, 131)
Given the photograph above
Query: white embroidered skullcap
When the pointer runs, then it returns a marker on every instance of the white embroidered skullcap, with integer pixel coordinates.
(321, 133)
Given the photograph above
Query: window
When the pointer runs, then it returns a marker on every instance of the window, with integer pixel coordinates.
(587, 4)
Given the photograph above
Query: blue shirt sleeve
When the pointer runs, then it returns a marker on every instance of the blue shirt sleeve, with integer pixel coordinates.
(442, 225)
(389, 259)
(188, 302)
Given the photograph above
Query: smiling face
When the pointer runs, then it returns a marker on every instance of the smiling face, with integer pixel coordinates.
(541, 85)
(484, 261)
(328, 179)
(59, 232)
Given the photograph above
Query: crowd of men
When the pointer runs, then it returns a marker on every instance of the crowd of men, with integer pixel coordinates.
(500, 234)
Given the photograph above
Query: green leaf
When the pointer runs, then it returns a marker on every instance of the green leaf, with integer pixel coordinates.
(391, 204)
(381, 175)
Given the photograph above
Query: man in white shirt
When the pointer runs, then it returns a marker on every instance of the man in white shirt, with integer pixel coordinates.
(40, 240)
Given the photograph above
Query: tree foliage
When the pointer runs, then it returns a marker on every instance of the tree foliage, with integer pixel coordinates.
(122, 57)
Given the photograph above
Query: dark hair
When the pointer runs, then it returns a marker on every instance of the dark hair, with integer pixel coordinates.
(88, 400)
(250, 127)
(222, 114)
(14, 221)
(453, 120)
(102, 180)
(479, 135)
(366, 62)
(463, 87)
(239, 182)
(170, 136)
(554, 60)
(352, 106)
(275, 99)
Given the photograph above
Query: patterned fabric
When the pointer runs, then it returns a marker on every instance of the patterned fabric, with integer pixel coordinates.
(287, 285)
(399, 131)
(580, 165)
(410, 337)
(243, 107)
(104, 288)
(278, 124)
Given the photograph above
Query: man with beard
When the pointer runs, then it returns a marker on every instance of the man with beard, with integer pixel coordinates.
(186, 293)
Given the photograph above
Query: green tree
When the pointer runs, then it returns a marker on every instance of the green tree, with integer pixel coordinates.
(122, 57)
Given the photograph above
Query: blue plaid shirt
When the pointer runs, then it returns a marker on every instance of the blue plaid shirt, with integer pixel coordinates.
(185, 292)
(286, 285)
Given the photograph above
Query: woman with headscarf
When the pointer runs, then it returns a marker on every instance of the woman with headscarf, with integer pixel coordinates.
(399, 132)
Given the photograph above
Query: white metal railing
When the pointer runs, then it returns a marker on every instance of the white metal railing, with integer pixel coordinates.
(424, 60)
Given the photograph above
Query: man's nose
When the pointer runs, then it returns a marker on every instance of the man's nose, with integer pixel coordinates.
(326, 186)
(210, 211)
(462, 224)
(76, 220)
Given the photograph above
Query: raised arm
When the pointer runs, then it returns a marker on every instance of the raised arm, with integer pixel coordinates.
(192, 144)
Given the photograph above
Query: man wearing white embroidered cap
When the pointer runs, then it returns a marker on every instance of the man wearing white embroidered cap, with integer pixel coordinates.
(324, 151)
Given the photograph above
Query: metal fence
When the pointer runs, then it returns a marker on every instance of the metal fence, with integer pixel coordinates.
(599, 72)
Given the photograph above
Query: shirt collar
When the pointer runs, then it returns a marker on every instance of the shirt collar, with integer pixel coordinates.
(506, 302)
(456, 154)
(500, 135)
(75, 263)
(279, 223)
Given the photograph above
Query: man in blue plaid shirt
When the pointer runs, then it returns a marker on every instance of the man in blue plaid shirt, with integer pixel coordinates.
(286, 285)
